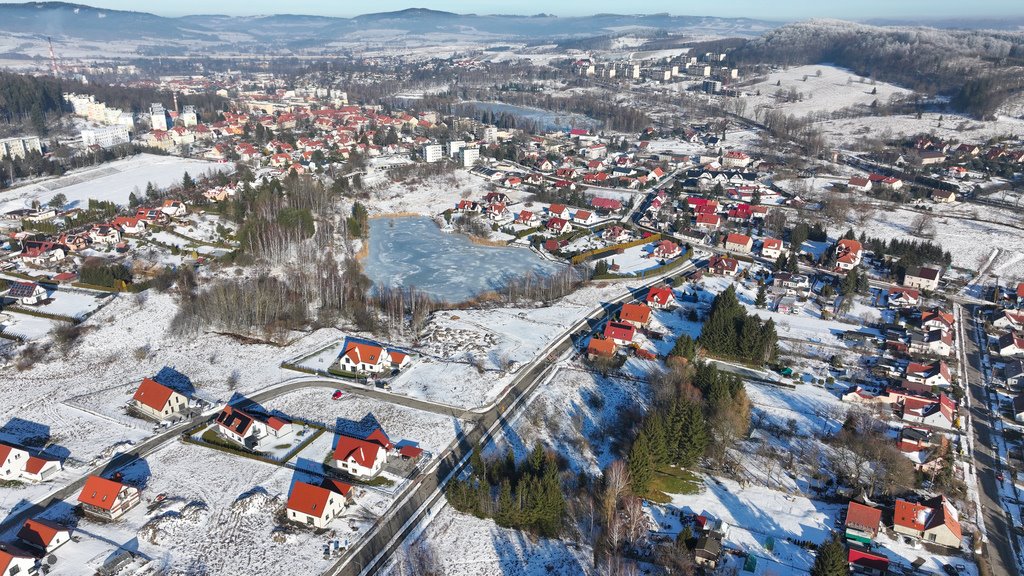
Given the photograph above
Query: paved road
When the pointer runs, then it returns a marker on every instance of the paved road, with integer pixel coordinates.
(1002, 540)
(373, 552)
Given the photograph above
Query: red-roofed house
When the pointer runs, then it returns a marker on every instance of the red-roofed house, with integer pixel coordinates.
(739, 243)
(708, 221)
(608, 204)
(848, 254)
(527, 218)
(903, 297)
(157, 401)
(867, 562)
(359, 457)
(661, 297)
(17, 464)
(317, 506)
(862, 522)
(667, 249)
(638, 315)
(723, 265)
(771, 248)
(369, 358)
(932, 374)
(620, 333)
(557, 225)
(859, 183)
(16, 563)
(600, 348)
(584, 217)
(1012, 319)
(43, 535)
(934, 521)
(107, 499)
(558, 211)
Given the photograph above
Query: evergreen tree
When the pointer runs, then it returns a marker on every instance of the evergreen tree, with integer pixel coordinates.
(781, 263)
(693, 437)
(831, 559)
(133, 200)
(655, 427)
(641, 464)
(762, 297)
(793, 263)
(187, 182)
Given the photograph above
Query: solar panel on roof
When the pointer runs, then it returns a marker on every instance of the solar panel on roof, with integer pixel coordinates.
(22, 290)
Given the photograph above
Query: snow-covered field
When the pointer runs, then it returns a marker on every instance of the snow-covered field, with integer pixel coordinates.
(111, 182)
(464, 545)
(835, 89)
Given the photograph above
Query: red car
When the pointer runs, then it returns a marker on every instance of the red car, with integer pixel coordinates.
(336, 395)
(1000, 477)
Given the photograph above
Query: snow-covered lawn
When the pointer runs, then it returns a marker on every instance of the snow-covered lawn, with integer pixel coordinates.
(26, 327)
(74, 303)
(111, 182)
(468, 546)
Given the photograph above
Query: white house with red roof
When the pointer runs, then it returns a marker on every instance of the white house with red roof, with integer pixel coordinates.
(639, 315)
(105, 234)
(527, 218)
(931, 374)
(735, 159)
(362, 457)
(935, 521)
(848, 254)
(937, 319)
(859, 183)
(366, 357)
(667, 249)
(1010, 344)
(772, 248)
(157, 401)
(317, 506)
(129, 226)
(558, 211)
(14, 562)
(707, 221)
(661, 297)
(18, 464)
(26, 293)
(174, 208)
(621, 333)
(584, 217)
(249, 430)
(615, 234)
(43, 536)
(107, 499)
(903, 297)
(723, 265)
(557, 226)
(1012, 319)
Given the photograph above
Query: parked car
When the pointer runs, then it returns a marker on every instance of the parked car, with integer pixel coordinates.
(336, 395)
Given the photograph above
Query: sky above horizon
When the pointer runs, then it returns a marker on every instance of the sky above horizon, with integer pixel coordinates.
(761, 9)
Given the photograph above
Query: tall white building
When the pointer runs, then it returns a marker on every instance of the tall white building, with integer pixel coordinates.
(105, 136)
(19, 147)
(454, 147)
(433, 153)
(489, 134)
(469, 156)
(158, 116)
(188, 116)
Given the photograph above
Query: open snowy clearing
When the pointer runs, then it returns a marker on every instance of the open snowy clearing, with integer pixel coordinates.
(835, 89)
(468, 546)
(110, 182)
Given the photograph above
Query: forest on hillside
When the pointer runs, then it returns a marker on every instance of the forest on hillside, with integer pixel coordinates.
(976, 69)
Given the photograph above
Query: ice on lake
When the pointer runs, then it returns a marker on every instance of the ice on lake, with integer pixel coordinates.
(412, 251)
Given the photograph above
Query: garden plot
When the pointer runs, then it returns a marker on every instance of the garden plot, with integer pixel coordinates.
(358, 416)
(73, 303)
(468, 546)
(218, 511)
(25, 327)
(571, 413)
(111, 182)
(204, 228)
(634, 260)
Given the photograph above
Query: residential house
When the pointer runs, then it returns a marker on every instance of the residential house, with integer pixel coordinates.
(865, 562)
(27, 293)
(174, 208)
(937, 319)
(935, 341)
(922, 278)
(932, 374)
(772, 248)
(735, 159)
(605, 204)
(940, 414)
(468, 207)
(14, 562)
(615, 234)
(792, 283)
(707, 221)
(739, 243)
(365, 357)
(859, 183)
(105, 234)
(723, 265)
(558, 211)
(848, 254)
(1010, 344)
(667, 250)
(600, 348)
(584, 218)
(903, 298)
(43, 536)
(934, 521)
(129, 226)
(17, 464)
(527, 218)
(638, 315)
(621, 333)
(157, 401)
(943, 196)
(1013, 373)
(557, 226)
(362, 457)
(241, 427)
(42, 252)
(862, 522)
(708, 551)
(661, 297)
(317, 506)
(107, 499)
(1009, 319)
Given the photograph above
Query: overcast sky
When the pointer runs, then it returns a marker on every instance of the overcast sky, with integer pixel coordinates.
(764, 9)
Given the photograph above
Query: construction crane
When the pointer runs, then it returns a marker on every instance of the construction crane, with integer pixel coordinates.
(53, 59)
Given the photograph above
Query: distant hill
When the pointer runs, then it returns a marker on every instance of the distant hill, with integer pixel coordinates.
(70, 21)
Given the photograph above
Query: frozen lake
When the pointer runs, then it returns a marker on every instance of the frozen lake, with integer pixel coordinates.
(545, 119)
(412, 251)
